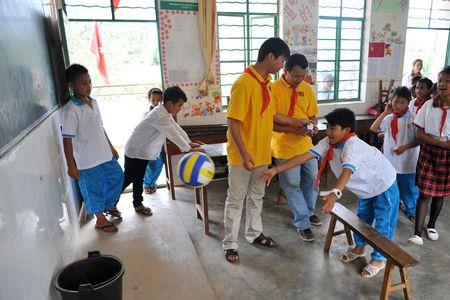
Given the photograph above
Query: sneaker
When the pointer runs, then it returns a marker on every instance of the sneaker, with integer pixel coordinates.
(307, 235)
(314, 220)
(415, 240)
(432, 234)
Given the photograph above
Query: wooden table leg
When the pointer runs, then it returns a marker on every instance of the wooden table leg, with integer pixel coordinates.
(205, 210)
(169, 172)
(388, 274)
(349, 235)
(330, 233)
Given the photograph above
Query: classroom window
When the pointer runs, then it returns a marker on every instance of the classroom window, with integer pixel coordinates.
(243, 25)
(339, 49)
(427, 36)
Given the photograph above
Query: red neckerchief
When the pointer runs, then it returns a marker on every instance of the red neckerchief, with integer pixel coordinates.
(265, 89)
(294, 97)
(419, 103)
(437, 102)
(394, 123)
(329, 156)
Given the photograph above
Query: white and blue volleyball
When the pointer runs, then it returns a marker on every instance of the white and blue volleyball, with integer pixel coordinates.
(196, 169)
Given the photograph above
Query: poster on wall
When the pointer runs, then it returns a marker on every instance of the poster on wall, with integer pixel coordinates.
(300, 22)
(183, 64)
(387, 39)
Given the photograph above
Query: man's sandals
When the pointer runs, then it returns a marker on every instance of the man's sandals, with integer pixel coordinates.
(265, 241)
(141, 209)
(150, 190)
(109, 228)
(232, 255)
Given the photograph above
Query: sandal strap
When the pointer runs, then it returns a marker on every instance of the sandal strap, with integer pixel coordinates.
(269, 241)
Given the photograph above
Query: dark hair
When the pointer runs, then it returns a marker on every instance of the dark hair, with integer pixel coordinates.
(155, 90)
(445, 70)
(417, 60)
(174, 94)
(73, 71)
(415, 79)
(273, 45)
(433, 89)
(296, 60)
(402, 91)
(343, 117)
(426, 81)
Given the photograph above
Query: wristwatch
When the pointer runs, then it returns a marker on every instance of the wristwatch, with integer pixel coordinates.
(337, 193)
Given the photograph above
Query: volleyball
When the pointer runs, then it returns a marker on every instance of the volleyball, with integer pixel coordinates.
(196, 169)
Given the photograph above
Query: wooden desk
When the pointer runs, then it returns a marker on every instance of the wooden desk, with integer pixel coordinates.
(208, 134)
(218, 153)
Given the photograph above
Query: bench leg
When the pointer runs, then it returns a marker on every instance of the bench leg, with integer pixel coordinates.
(348, 235)
(330, 233)
(405, 280)
(388, 275)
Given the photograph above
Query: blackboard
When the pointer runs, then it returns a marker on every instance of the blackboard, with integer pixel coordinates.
(31, 66)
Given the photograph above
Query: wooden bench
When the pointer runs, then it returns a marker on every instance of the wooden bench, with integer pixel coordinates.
(395, 255)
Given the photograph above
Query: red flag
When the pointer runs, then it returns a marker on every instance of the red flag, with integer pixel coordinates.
(376, 49)
(96, 49)
(116, 4)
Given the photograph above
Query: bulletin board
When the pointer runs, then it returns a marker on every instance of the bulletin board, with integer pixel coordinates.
(183, 64)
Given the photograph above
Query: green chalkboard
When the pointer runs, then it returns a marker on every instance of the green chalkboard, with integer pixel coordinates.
(31, 66)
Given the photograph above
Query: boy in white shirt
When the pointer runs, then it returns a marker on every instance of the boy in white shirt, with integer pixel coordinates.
(147, 139)
(400, 146)
(363, 170)
(91, 158)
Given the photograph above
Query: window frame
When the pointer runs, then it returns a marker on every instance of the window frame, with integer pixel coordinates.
(247, 17)
(337, 60)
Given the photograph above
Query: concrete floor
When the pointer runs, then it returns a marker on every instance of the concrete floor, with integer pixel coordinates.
(167, 256)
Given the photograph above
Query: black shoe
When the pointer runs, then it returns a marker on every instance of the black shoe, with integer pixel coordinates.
(307, 235)
(314, 220)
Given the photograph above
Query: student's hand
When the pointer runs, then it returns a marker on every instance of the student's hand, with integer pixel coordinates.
(247, 162)
(73, 171)
(329, 203)
(115, 153)
(388, 109)
(300, 130)
(399, 150)
(197, 149)
(313, 132)
(195, 145)
(267, 175)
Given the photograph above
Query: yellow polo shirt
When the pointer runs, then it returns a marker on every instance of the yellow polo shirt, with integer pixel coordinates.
(256, 130)
(286, 145)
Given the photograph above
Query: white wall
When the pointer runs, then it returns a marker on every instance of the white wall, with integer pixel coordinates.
(38, 222)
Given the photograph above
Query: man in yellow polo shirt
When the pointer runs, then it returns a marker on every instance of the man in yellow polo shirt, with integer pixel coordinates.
(250, 118)
(295, 98)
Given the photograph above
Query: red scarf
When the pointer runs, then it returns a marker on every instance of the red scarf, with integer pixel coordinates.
(265, 90)
(419, 103)
(437, 102)
(394, 123)
(329, 156)
(294, 97)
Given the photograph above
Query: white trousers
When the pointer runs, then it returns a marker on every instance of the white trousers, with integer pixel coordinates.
(243, 185)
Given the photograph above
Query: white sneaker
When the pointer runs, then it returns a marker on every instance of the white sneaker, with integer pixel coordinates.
(432, 234)
(415, 240)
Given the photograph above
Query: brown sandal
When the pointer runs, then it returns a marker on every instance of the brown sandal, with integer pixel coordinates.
(229, 253)
(265, 241)
(150, 190)
(146, 211)
(114, 212)
(104, 228)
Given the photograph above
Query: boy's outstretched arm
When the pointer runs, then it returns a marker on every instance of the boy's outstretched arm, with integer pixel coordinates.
(267, 175)
(340, 185)
(72, 169)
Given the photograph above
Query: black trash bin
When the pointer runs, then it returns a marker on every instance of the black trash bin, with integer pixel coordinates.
(98, 277)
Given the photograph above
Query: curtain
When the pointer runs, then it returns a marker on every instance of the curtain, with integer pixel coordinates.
(207, 15)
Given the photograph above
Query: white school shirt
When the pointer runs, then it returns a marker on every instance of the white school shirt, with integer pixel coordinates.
(84, 125)
(406, 162)
(429, 118)
(149, 136)
(372, 173)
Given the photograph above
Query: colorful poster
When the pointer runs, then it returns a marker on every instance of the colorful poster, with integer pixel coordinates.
(183, 65)
(300, 24)
(390, 6)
